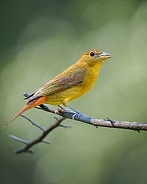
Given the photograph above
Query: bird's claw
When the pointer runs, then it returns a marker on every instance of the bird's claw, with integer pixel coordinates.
(75, 115)
(60, 109)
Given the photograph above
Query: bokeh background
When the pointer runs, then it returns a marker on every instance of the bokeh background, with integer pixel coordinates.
(38, 40)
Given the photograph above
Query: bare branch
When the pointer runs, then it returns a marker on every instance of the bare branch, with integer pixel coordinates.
(138, 126)
(29, 144)
(63, 114)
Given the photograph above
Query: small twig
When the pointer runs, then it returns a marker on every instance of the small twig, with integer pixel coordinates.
(18, 139)
(46, 142)
(45, 132)
(32, 122)
(65, 126)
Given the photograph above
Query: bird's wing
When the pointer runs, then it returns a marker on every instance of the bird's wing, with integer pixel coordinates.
(60, 83)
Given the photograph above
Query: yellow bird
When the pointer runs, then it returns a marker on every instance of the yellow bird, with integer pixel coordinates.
(72, 83)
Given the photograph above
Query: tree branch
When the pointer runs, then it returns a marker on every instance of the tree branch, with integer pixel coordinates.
(45, 131)
(64, 114)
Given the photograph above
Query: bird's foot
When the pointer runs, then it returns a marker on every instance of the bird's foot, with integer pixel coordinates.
(76, 114)
(60, 109)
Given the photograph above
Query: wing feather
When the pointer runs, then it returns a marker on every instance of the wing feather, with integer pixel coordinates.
(60, 83)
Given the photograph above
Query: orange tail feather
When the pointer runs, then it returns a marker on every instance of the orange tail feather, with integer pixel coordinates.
(28, 106)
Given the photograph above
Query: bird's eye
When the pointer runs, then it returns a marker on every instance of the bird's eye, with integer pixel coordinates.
(92, 54)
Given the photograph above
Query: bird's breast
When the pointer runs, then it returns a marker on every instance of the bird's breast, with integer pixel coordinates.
(90, 79)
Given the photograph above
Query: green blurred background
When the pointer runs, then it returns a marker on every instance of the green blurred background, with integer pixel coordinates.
(38, 40)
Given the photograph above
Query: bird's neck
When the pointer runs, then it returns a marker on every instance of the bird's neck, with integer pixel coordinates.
(92, 65)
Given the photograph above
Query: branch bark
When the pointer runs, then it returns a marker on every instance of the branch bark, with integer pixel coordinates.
(64, 114)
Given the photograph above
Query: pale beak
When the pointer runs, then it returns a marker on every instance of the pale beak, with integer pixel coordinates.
(105, 55)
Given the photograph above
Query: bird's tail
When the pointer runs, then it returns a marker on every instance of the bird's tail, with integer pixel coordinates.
(28, 106)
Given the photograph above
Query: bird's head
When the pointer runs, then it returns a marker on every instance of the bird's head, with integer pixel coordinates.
(93, 57)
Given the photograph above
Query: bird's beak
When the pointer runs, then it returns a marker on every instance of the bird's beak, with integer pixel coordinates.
(105, 55)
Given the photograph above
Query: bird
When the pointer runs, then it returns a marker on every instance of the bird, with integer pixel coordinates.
(69, 85)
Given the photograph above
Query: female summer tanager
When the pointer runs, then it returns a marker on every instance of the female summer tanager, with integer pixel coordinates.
(72, 83)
